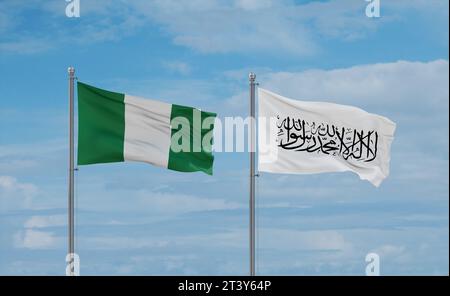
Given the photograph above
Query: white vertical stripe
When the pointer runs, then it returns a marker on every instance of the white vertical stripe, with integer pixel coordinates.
(147, 131)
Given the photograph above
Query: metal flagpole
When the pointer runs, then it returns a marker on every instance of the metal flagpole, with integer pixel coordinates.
(251, 78)
(71, 212)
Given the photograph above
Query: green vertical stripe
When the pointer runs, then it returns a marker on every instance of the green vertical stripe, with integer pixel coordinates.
(191, 161)
(101, 125)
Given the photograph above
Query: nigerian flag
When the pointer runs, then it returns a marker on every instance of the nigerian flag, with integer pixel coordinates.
(115, 127)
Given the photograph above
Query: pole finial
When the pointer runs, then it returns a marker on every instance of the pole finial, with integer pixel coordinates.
(71, 70)
(252, 77)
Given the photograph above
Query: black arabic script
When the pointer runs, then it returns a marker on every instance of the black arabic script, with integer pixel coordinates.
(300, 135)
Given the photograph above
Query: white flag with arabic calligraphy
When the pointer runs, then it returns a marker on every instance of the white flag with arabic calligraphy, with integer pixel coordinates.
(299, 137)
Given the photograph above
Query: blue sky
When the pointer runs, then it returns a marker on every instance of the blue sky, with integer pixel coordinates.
(133, 218)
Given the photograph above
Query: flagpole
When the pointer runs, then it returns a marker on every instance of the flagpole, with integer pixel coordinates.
(71, 213)
(252, 78)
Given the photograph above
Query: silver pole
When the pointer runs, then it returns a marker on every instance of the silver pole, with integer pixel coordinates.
(71, 213)
(251, 78)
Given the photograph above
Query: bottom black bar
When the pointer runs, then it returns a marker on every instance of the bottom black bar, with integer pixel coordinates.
(218, 285)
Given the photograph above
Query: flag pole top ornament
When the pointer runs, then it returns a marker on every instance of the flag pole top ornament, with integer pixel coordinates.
(71, 70)
(251, 77)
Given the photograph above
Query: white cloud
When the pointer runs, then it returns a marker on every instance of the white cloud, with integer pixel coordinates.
(178, 67)
(33, 239)
(426, 168)
(210, 26)
(386, 251)
(120, 243)
(405, 89)
(219, 27)
(439, 6)
(160, 202)
(268, 26)
(254, 4)
(5, 21)
(398, 83)
(174, 196)
(45, 221)
(270, 238)
(283, 239)
(15, 195)
(26, 45)
(108, 21)
(24, 158)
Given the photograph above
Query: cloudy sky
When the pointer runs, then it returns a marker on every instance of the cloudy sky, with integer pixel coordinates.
(133, 218)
